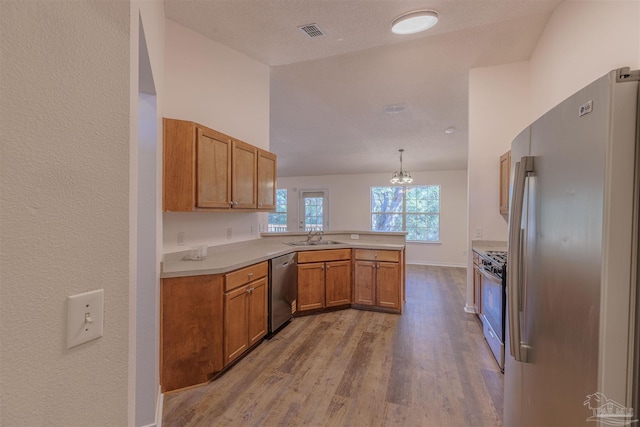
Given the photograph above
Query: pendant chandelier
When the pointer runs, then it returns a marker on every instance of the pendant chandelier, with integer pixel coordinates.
(402, 177)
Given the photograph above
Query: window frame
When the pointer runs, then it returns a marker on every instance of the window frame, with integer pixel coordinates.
(403, 213)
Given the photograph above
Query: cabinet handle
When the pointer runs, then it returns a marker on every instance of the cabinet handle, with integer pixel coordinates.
(377, 265)
(259, 205)
(250, 274)
(375, 255)
(231, 204)
(235, 203)
(322, 268)
(328, 267)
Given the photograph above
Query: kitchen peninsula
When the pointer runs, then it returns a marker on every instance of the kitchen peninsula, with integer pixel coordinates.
(214, 310)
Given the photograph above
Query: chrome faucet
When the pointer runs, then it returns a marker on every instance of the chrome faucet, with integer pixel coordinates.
(312, 234)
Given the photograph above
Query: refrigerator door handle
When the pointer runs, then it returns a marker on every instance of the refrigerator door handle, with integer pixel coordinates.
(515, 267)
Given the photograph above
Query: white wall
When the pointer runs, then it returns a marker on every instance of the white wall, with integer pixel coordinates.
(64, 216)
(349, 209)
(498, 111)
(211, 84)
(146, 92)
(583, 40)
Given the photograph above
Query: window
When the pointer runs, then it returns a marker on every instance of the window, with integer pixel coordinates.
(314, 210)
(415, 210)
(278, 219)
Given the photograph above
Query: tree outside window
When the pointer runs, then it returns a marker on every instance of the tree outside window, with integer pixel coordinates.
(415, 210)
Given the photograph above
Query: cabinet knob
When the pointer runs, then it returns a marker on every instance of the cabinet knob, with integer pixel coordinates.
(250, 274)
(377, 265)
(230, 204)
(259, 205)
(235, 203)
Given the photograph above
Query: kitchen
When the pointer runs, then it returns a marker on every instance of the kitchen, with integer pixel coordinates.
(563, 62)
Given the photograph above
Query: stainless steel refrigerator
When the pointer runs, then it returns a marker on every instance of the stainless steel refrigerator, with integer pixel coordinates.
(572, 261)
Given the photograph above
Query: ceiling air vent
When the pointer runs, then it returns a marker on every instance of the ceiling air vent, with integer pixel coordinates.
(394, 108)
(311, 30)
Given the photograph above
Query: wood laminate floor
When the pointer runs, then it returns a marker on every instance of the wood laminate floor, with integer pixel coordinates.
(427, 367)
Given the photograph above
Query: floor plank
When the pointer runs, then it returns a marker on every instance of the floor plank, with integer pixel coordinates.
(429, 366)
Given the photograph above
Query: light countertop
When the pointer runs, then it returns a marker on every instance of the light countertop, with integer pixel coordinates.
(226, 258)
(482, 246)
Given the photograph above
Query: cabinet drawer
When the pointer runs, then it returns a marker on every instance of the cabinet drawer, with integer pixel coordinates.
(378, 255)
(320, 256)
(245, 275)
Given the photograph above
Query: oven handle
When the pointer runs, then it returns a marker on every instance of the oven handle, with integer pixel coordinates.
(490, 276)
(514, 255)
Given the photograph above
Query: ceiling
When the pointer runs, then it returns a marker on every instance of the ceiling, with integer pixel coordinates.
(328, 93)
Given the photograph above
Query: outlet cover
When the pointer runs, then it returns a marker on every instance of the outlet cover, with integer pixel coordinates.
(229, 233)
(85, 315)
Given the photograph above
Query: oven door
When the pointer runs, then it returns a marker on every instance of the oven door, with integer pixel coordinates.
(492, 314)
(492, 307)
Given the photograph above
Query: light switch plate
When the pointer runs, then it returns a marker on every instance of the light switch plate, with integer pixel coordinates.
(85, 313)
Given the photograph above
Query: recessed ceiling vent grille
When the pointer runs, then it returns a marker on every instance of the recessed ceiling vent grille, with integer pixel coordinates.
(311, 30)
(394, 108)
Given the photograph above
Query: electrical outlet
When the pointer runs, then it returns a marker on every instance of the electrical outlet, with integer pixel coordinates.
(229, 233)
(85, 314)
(261, 227)
(478, 231)
(355, 236)
(253, 230)
(181, 238)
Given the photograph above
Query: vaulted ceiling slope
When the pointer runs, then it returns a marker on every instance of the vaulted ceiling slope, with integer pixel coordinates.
(328, 93)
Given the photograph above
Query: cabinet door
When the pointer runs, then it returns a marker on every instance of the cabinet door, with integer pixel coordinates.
(257, 310)
(505, 165)
(338, 283)
(477, 286)
(190, 330)
(236, 328)
(266, 180)
(244, 175)
(388, 285)
(310, 286)
(213, 171)
(364, 283)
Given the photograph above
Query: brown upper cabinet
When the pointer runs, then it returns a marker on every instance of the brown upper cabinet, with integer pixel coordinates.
(505, 166)
(206, 170)
(266, 180)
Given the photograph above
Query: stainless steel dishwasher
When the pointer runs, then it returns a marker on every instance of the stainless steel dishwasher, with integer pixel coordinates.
(283, 290)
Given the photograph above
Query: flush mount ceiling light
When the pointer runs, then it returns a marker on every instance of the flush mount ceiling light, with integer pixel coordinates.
(414, 22)
(402, 177)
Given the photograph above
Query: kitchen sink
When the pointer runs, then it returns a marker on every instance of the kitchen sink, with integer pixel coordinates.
(315, 243)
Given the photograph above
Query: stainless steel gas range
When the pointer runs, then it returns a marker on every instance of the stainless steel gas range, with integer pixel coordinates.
(493, 301)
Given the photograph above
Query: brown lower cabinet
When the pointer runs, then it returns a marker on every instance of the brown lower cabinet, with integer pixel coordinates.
(191, 330)
(477, 283)
(378, 279)
(245, 310)
(324, 279)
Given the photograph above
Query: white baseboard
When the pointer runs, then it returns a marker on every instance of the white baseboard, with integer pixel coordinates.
(437, 264)
(159, 403)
